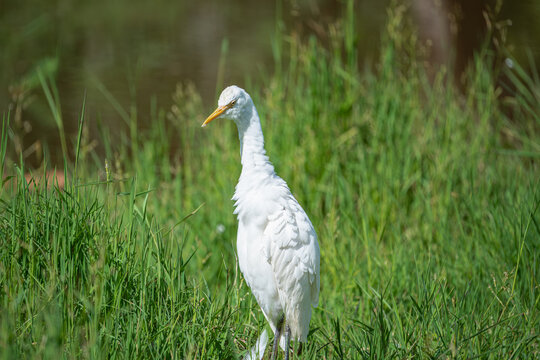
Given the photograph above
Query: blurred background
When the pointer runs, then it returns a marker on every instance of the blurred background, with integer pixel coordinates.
(131, 54)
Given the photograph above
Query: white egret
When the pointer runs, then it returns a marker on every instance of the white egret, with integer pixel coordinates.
(277, 247)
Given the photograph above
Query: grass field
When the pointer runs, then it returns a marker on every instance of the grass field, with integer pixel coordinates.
(425, 199)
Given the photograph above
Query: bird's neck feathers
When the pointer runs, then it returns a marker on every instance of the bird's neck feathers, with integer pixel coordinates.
(252, 150)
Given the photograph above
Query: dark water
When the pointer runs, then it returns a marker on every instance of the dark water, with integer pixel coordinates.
(140, 50)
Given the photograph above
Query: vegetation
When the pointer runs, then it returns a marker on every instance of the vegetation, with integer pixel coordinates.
(425, 199)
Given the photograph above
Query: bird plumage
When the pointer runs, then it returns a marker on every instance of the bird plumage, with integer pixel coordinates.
(277, 246)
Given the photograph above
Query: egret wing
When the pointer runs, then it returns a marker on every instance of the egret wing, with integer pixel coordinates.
(292, 250)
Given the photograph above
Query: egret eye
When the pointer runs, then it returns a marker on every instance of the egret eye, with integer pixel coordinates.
(232, 103)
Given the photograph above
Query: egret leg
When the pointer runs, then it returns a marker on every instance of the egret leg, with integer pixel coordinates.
(287, 341)
(277, 335)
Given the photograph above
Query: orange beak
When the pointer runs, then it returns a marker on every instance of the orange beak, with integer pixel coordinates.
(215, 114)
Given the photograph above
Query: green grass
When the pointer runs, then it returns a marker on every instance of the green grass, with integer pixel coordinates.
(425, 200)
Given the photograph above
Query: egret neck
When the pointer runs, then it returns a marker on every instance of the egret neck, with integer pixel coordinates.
(252, 152)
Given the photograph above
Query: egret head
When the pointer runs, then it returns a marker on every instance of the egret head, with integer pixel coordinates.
(234, 103)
